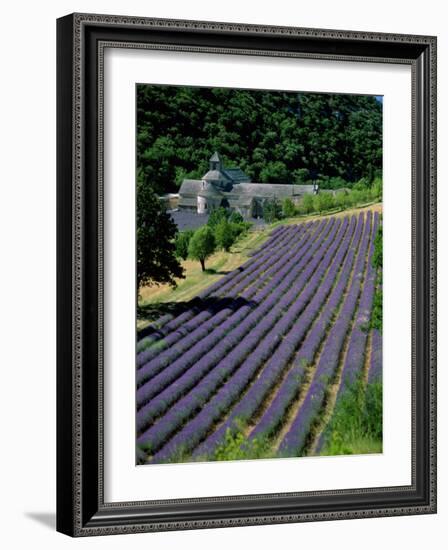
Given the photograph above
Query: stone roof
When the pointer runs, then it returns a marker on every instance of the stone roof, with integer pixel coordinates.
(236, 175)
(190, 187)
(215, 175)
(280, 190)
(215, 157)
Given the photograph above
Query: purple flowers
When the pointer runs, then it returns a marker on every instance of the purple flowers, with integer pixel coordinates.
(240, 354)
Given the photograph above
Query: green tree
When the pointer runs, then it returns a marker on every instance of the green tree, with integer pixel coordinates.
(288, 208)
(225, 235)
(274, 171)
(202, 245)
(301, 176)
(182, 241)
(217, 215)
(156, 231)
(236, 217)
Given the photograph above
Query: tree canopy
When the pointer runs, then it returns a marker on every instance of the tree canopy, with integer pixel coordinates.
(202, 245)
(278, 137)
(156, 261)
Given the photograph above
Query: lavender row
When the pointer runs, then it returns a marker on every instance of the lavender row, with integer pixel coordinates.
(162, 321)
(245, 272)
(155, 435)
(266, 267)
(226, 282)
(376, 358)
(354, 358)
(282, 357)
(246, 301)
(295, 438)
(255, 326)
(290, 386)
(197, 428)
(208, 352)
(276, 230)
(273, 239)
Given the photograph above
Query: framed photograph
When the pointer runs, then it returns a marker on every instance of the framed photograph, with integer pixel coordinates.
(246, 274)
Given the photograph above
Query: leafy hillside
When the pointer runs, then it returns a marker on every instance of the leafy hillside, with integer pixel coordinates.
(279, 137)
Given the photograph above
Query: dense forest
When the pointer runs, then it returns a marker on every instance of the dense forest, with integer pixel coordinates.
(278, 137)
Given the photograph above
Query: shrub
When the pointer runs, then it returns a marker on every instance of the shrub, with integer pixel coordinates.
(236, 217)
(288, 208)
(377, 258)
(354, 197)
(340, 200)
(361, 185)
(272, 210)
(237, 447)
(241, 228)
(323, 201)
(308, 203)
(357, 421)
(336, 183)
(377, 188)
(376, 320)
(377, 262)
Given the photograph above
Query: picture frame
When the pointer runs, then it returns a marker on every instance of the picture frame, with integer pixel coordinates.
(81, 506)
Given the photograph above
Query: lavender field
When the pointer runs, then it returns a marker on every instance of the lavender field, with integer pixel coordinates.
(260, 359)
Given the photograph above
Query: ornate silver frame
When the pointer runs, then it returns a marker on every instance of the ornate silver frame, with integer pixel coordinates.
(81, 42)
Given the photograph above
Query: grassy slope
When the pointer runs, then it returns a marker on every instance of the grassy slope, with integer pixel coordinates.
(152, 298)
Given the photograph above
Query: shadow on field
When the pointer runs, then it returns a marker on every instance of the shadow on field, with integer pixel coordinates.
(211, 271)
(211, 304)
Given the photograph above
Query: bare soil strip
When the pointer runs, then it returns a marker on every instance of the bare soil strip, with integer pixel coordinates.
(368, 358)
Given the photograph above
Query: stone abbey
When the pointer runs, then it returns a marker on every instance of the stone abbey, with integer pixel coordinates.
(231, 188)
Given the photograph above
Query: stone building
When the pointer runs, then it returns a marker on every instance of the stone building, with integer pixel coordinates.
(232, 188)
